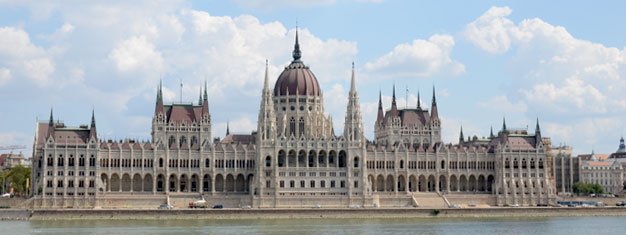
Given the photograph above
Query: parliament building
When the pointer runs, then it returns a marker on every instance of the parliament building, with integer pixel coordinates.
(294, 159)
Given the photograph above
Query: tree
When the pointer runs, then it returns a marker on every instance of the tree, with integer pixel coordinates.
(15, 178)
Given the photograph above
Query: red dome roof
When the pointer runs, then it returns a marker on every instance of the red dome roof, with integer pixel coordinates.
(297, 79)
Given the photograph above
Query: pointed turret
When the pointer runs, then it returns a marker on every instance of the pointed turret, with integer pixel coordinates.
(433, 110)
(92, 128)
(50, 125)
(51, 122)
(297, 54)
(381, 116)
(537, 129)
(205, 101)
(353, 126)
(394, 107)
(200, 97)
(352, 81)
(266, 82)
(419, 106)
(491, 136)
(159, 101)
(622, 146)
(503, 124)
(227, 128)
(461, 139)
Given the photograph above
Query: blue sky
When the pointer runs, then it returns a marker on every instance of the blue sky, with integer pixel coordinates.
(561, 61)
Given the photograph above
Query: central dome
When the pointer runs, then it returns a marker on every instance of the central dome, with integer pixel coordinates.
(297, 79)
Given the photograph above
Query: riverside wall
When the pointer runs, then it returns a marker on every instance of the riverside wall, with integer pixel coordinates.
(154, 214)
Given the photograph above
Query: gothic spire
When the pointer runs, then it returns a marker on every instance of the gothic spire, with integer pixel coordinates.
(352, 81)
(51, 123)
(159, 101)
(537, 130)
(434, 114)
(380, 117)
(200, 99)
(93, 118)
(491, 132)
(266, 83)
(394, 107)
(227, 128)
(461, 139)
(206, 97)
(419, 106)
(297, 54)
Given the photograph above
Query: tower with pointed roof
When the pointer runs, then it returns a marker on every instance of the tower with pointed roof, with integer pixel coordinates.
(353, 125)
(417, 126)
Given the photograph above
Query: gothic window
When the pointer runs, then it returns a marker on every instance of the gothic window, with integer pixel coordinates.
(342, 159)
(506, 163)
(523, 163)
(194, 140)
(292, 126)
(70, 161)
(60, 161)
(171, 141)
(268, 161)
(515, 164)
(183, 141)
(401, 164)
(540, 164)
(301, 126)
(160, 162)
(81, 160)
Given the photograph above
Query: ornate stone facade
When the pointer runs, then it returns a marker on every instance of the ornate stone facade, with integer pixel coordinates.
(293, 159)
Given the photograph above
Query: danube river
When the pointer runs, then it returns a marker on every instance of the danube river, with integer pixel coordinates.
(511, 225)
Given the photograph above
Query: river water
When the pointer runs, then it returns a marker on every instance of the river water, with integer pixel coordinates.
(522, 225)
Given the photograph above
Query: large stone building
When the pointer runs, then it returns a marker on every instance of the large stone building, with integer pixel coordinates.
(293, 159)
(565, 168)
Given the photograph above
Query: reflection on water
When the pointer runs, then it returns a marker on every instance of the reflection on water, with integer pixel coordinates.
(525, 225)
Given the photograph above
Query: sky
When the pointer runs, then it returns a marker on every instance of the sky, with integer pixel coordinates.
(561, 62)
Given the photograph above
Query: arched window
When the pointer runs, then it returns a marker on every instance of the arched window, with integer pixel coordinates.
(268, 161)
(532, 163)
(523, 163)
(171, 141)
(194, 140)
(541, 165)
(401, 164)
(356, 162)
(301, 126)
(342, 159)
(443, 164)
(81, 160)
(292, 126)
(160, 162)
(507, 164)
(207, 163)
(183, 141)
(515, 164)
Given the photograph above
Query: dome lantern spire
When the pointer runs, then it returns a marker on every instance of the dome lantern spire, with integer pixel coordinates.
(297, 54)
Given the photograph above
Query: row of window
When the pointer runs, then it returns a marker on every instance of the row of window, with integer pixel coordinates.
(70, 161)
(311, 174)
(70, 184)
(146, 163)
(312, 184)
(524, 165)
(71, 173)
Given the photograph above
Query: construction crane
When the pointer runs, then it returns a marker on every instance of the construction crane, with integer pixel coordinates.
(12, 147)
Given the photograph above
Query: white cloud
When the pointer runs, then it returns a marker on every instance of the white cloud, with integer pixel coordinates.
(136, 52)
(502, 103)
(19, 55)
(275, 4)
(5, 76)
(556, 76)
(422, 58)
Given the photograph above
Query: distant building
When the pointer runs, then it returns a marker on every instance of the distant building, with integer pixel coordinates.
(608, 174)
(11, 160)
(565, 169)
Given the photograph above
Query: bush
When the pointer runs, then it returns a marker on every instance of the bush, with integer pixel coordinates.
(585, 189)
(436, 211)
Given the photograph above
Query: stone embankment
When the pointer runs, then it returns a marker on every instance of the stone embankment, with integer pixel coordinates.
(154, 214)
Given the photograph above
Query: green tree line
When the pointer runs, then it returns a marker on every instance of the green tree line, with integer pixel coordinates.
(582, 188)
(15, 178)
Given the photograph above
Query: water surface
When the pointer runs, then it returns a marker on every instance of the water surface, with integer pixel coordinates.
(521, 225)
